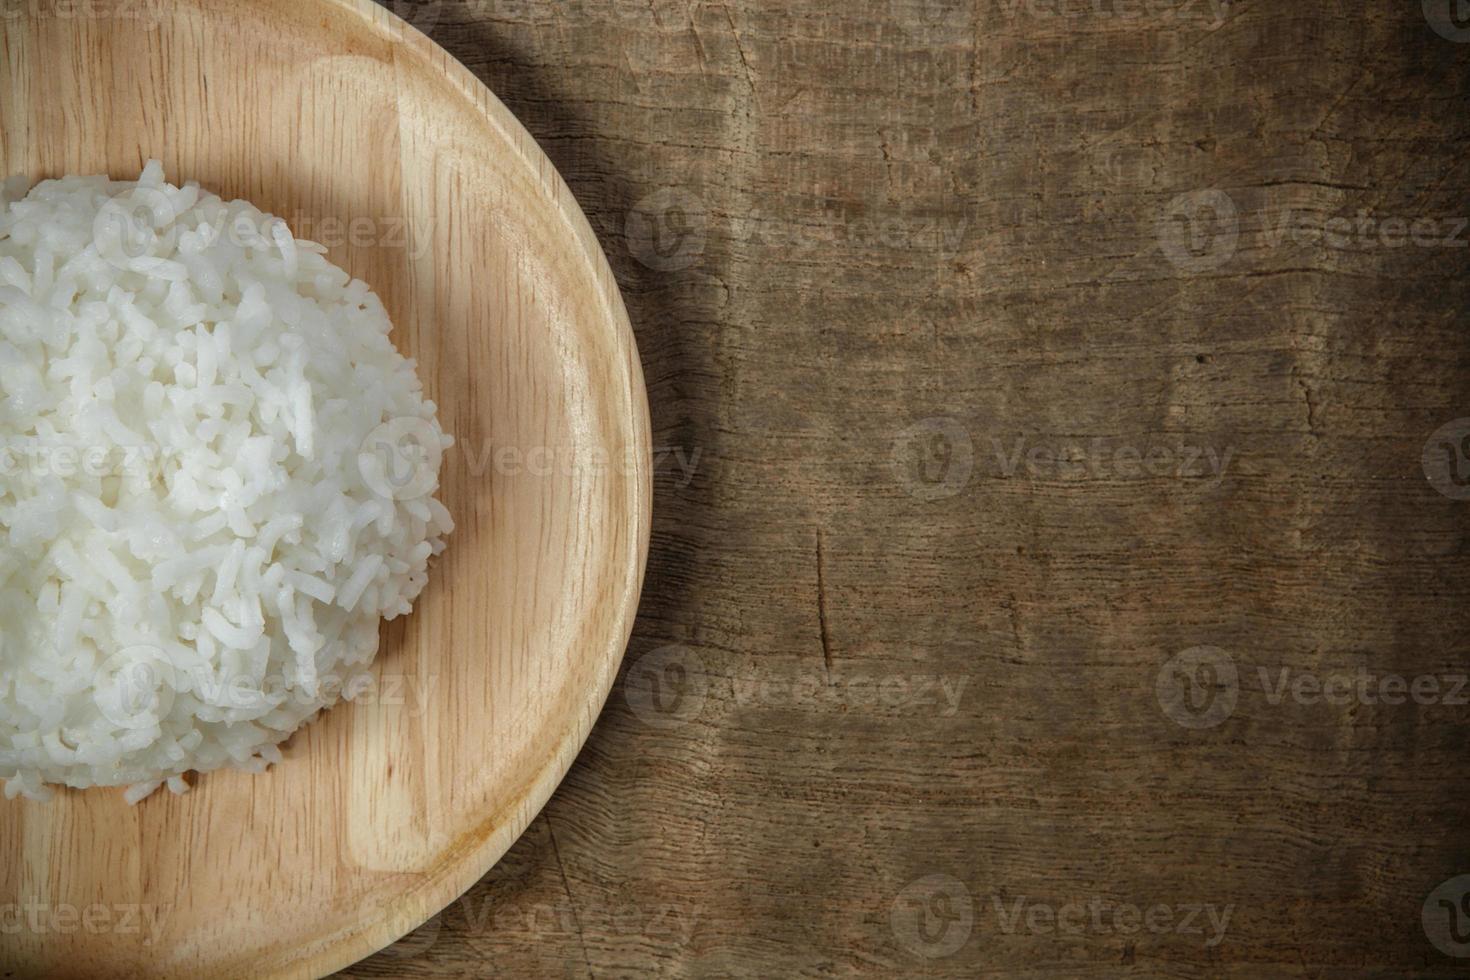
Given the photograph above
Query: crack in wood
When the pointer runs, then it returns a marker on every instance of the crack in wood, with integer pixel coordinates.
(822, 603)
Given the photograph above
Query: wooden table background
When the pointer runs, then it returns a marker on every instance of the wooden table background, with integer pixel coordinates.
(1001, 352)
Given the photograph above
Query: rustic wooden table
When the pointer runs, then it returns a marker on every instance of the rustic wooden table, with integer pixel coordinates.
(1061, 512)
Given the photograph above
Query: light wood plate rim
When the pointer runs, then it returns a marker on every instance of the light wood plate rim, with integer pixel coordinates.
(476, 851)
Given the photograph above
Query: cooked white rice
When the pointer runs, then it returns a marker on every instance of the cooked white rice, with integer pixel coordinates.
(216, 478)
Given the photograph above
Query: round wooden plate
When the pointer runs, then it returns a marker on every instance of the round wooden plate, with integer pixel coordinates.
(366, 136)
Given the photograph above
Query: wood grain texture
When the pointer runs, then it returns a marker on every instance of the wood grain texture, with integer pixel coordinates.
(847, 219)
(365, 136)
(816, 154)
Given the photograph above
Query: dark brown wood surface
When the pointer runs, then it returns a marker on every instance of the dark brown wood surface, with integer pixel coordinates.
(1050, 401)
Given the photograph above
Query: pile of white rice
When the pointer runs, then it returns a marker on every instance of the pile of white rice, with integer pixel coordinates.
(216, 478)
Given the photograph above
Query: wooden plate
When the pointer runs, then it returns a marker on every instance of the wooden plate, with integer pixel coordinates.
(365, 135)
